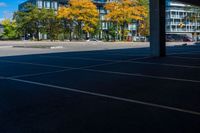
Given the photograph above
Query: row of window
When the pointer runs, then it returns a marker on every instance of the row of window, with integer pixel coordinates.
(47, 4)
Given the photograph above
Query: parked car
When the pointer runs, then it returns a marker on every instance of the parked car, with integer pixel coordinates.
(93, 40)
(179, 38)
(187, 39)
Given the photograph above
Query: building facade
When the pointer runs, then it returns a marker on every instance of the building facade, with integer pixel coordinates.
(1, 29)
(55, 4)
(180, 18)
(49, 4)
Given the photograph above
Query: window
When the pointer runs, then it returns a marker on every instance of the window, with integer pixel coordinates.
(104, 25)
(102, 17)
(54, 5)
(47, 4)
(39, 4)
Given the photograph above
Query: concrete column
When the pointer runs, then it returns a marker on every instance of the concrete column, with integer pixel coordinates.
(157, 28)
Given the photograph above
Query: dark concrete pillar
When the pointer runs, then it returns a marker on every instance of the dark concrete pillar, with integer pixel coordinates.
(157, 28)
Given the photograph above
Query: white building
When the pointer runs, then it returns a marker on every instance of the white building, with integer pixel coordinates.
(180, 18)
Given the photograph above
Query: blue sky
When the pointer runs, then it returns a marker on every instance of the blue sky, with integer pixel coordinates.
(7, 7)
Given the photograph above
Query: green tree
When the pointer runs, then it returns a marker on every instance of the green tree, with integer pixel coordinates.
(10, 31)
(112, 31)
(29, 21)
(51, 24)
(33, 21)
(143, 27)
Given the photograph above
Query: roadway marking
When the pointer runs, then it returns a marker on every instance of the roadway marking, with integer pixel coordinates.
(165, 64)
(39, 74)
(54, 66)
(63, 70)
(180, 57)
(110, 97)
(116, 73)
(35, 64)
(78, 58)
(128, 61)
(189, 52)
(86, 68)
(94, 59)
(141, 75)
(64, 67)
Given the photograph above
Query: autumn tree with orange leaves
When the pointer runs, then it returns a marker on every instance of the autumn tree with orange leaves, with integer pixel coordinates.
(123, 12)
(81, 13)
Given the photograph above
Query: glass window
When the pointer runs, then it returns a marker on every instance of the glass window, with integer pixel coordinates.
(47, 4)
(102, 17)
(39, 3)
(104, 25)
(54, 5)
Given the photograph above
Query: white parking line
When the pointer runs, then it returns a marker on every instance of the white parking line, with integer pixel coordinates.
(87, 68)
(94, 59)
(114, 72)
(34, 64)
(181, 57)
(142, 75)
(128, 61)
(189, 52)
(110, 97)
(78, 58)
(54, 66)
(165, 64)
(39, 74)
(52, 72)
(65, 68)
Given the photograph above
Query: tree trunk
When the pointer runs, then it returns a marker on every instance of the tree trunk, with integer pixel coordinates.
(79, 30)
(123, 32)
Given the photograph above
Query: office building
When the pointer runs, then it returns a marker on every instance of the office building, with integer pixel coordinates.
(180, 18)
(55, 4)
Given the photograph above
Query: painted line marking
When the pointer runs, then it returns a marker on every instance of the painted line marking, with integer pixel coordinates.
(39, 74)
(94, 59)
(189, 52)
(165, 64)
(63, 70)
(126, 61)
(110, 97)
(142, 75)
(181, 57)
(86, 68)
(119, 73)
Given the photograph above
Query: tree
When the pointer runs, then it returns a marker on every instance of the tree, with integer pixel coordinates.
(29, 21)
(123, 12)
(65, 15)
(83, 14)
(34, 21)
(193, 17)
(144, 25)
(51, 24)
(10, 31)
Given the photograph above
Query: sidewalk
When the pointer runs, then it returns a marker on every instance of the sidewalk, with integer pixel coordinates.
(11, 48)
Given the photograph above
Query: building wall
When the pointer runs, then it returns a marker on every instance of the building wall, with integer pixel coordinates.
(176, 14)
(1, 29)
(55, 4)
